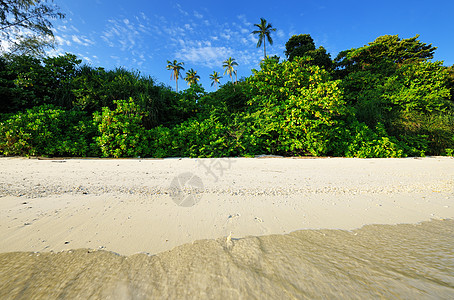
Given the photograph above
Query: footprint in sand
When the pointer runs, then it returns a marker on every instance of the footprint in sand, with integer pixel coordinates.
(257, 219)
(231, 218)
(234, 216)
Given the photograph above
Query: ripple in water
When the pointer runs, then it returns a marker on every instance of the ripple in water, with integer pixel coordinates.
(390, 261)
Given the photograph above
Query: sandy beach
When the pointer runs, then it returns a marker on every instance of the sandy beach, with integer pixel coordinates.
(133, 206)
(232, 228)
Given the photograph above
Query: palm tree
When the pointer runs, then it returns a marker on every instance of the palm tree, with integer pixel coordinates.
(176, 67)
(215, 78)
(228, 65)
(191, 77)
(264, 33)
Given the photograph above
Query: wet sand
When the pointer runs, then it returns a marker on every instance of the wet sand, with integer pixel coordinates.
(377, 261)
(226, 227)
(132, 206)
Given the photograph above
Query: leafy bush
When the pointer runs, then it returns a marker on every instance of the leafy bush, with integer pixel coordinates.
(160, 139)
(229, 99)
(202, 138)
(296, 107)
(48, 130)
(211, 136)
(121, 133)
(366, 143)
(428, 133)
(27, 81)
(419, 86)
(389, 101)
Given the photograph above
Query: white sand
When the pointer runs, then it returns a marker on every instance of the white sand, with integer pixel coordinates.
(129, 206)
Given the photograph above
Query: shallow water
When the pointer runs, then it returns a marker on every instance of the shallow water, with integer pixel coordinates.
(376, 261)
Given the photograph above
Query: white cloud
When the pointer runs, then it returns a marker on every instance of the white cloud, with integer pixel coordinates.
(81, 40)
(55, 52)
(191, 37)
(243, 19)
(86, 58)
(253, 39)
(280, 33)
(74, 28)
(61, 40)
(183, 12)
(173, 31)
(225, 36)
(207, 56)
(124, 33)
(198, 15)
(61, 28)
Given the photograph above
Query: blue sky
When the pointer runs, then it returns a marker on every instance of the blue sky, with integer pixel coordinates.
(142, 35)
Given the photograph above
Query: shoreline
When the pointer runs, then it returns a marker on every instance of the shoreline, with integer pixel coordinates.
(130, 206)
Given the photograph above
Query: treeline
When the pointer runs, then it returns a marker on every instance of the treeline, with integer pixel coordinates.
(386, 99)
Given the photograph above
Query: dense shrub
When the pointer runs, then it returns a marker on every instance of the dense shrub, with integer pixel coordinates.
(366, 143)
(388, 100)
(207, 137)
(296, 107)
(50, 131)
(121, 133)
(27, 81)
(429, 133)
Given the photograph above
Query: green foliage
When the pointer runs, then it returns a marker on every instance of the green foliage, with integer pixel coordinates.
(449, 152)
(229, 99)
(121, 133)
(160, 139)
(361, 141)
(215, 79)
(229, 66)
(185, 105)
(388, 101)
(49, 131)
(303, 46)
(299, 45)
(450, 71)
(263, 31)
(191, 77)
(295, 107)
(387, 48)
(420, 86)
(211, 136)
(429, 133)
(175, 67)
(390, 82)
(95, 88)
(26, 81)
(25, 25)
(204, 138)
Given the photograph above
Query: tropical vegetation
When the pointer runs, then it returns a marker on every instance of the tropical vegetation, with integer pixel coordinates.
(215, 79)
(229, 66)
(191, 77)
(26, 27)
(176, 67)
(385, 99)
(263, 31)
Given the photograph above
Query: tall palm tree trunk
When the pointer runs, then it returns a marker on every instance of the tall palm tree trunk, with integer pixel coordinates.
(264, 48)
